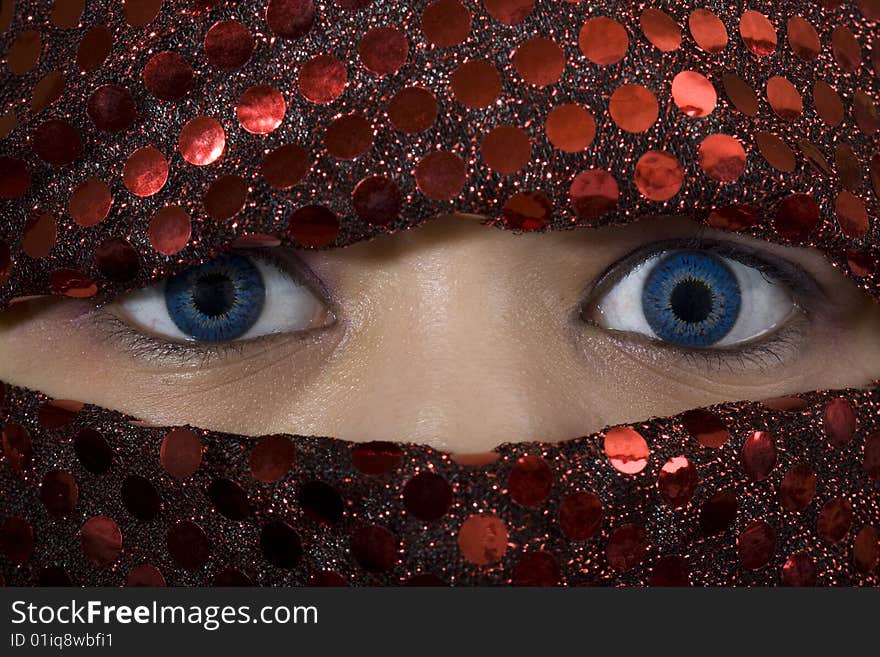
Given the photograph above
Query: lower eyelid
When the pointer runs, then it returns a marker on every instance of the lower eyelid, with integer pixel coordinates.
(777, 349)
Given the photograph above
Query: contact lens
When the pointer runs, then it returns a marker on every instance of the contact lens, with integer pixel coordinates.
(217, 301)
(691, 298)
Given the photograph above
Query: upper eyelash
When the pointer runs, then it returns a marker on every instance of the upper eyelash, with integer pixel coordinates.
(202, 354)
(803, 286)
(801, 283)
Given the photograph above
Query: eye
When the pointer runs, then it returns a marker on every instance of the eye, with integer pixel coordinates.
(695, 298)
(233, 297)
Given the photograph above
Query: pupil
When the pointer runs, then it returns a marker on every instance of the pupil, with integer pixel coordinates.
(691, 301)
(214, 294)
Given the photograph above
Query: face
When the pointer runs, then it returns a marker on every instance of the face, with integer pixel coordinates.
(458, 336)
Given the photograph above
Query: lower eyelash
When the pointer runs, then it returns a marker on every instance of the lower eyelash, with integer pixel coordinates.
(771, 351)
(145, 347)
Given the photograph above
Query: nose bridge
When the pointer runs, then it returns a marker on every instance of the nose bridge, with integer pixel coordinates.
(446, 348)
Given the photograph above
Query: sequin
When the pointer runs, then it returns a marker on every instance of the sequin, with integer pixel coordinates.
(840, 422)
(476, 84)
(633, 107)
(776, 151)
(145, 172)
(799, 570)
(660, 29)
(374, 548)
(506, 149)
(742, 95)
(722, 157)
(536, 569)
(527, 210)
(90, 202)
(224, 199)
(322, 79)
(47, 91)
(593, 193)
(446, 23)
(348, 137)
(39, 234)
(228, 45)
(797, 488)
(570, 127)
(376, 457)
(580, 515)
(290, 19)
(756, 545)
(482, 539)
(693, 94)
(708, 30)
(759, 455)
(846, 49)
(57, 142)
(383, 50)
(626, 547)
(145, 575)
(530, 480)
(603, 40)
(281, 544)
(117, 259)
(671, 570)
(678, 481)
(510, 12)
(851, 215)
(169, 230)
(757, 32)
(180, 453)
(427, 496)
(167, 75)
(540, 61)
(188, 545)
(94, 48)
(377, 200)
(784, 98)
(803, 38)
(285, 166)
(626, 449)
(718, 512)
(140, 497)
(101, 540)
(659, 175)
(24, 53)
(441, 175)
(261, 109)
(271, 458)
(796, 216)
(412, 110)
(835, 520)
(202, 140)
(313, 226)
(111, 108)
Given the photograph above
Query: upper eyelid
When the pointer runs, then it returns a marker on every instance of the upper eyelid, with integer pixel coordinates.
(282, 258)
(801, 283)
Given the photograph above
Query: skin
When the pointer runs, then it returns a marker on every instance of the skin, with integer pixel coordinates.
(452, 334)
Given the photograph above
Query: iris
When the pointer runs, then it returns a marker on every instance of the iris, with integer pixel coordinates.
(217, 301)
(691, 298)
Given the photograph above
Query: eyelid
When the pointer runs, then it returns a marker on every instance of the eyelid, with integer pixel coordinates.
(807, 292)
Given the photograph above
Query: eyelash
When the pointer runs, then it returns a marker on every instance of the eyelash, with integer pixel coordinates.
(143, 346)
(807, 296)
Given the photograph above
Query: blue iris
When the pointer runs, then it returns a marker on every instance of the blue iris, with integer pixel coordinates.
(691, 298)
(217, 301)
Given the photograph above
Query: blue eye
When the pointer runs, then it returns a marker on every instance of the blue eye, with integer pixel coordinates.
(236, 296)
(691, 299)
(217, 301)
(696, 299)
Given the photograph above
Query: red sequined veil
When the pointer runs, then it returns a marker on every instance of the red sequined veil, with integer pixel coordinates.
(140, 138)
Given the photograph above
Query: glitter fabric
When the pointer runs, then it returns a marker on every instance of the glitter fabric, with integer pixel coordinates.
(138, 139)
